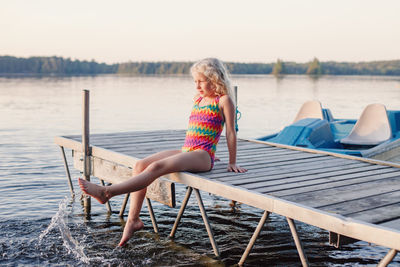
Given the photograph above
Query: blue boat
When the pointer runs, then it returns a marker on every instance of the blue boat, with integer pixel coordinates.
(376, 134)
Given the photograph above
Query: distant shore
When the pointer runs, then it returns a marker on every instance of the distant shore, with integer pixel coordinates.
(65, 66)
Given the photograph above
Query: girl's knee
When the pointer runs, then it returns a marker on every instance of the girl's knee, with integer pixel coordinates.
(155, 166)
(140, 165)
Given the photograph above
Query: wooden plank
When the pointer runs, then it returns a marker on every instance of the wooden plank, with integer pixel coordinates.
(68, 143)
(300, 178)
(140, 149)
(261, 174)
(130, 134)
(222, 146)
(310, 163)
(131, 145)
(393, 223)
(266, 159)
(135, 140)
(161, 190)
(241, 144)
(250, 154)
(269, 173)
(257, 152)
(314, 189)
(384, 183)
(294, 180)
(141, 134)
(378, 215)
(361, 204)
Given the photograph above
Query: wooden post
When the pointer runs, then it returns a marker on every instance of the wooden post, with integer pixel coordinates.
(85, 143)
(235, 89)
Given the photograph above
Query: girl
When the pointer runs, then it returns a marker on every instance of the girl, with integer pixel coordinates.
(212, 108)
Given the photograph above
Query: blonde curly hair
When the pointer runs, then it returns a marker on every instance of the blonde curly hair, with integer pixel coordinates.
(216, 72)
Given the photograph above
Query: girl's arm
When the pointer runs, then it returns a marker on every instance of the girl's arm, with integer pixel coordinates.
(228, 110)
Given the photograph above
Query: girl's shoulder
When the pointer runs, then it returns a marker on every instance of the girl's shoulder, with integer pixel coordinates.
(225, 100)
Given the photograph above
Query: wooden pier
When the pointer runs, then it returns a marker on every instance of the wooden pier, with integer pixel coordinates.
(352, 198)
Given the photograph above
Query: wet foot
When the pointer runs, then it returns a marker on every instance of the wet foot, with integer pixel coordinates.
(96, 191)
(130, 228)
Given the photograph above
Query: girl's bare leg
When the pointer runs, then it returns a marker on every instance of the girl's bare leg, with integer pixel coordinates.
(101, 194)
(198, 160)
(153, 167)
(161, 164)
(134, 223)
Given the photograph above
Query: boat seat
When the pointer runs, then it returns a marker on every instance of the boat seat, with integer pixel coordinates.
(310, 109)
(372, 128)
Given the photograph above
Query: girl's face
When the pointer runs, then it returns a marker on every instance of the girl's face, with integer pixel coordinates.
(203, 85)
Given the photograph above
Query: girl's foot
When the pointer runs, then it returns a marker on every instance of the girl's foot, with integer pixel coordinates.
(96, 191)
(130, 228)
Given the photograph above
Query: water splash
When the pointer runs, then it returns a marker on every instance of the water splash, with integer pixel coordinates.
(60, 221)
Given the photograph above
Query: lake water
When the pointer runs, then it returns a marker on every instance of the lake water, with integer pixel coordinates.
(41, 225)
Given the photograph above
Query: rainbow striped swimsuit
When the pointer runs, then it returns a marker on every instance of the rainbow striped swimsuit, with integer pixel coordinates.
(205, 127)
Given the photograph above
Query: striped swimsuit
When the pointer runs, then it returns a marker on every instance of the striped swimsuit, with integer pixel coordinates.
(205, 127)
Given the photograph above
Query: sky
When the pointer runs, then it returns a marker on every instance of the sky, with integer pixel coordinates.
(185, 30)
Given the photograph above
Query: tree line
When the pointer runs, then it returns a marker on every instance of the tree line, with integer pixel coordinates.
(66, 66)
(52, 65)
(315, 67)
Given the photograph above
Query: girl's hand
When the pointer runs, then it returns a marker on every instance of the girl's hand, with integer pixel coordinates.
(235, 168)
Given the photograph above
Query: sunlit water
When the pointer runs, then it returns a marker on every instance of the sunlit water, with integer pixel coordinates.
(42, 225)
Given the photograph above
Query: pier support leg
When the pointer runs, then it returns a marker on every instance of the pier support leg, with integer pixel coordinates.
(203, 214)
(388, 258)
(108, 202)
(297, 241)
(85, 144)
(152, 217)
(71, 187)
(181, 210)
(206, 222)
(123, 207)
(254, 237)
